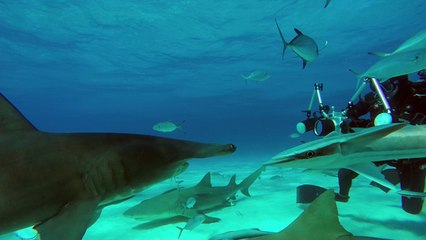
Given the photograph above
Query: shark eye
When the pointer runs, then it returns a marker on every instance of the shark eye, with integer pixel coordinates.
(310, 154)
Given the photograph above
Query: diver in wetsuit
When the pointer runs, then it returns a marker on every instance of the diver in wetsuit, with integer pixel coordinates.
(407, 100)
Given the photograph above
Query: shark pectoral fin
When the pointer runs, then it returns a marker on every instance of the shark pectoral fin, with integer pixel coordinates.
(370, 171)
(70, 223)
(211, 219)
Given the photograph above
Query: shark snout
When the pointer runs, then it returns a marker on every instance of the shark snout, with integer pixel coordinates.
(230, 148)
(211, 150)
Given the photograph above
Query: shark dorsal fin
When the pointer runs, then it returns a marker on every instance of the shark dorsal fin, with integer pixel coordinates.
(298, 31)
(232, 182)
(318, 221)
(206, 181)
(11, 119)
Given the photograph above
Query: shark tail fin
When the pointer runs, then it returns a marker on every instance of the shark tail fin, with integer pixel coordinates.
(285, 43)
(326, 3)
(248, 181)
(11, 118)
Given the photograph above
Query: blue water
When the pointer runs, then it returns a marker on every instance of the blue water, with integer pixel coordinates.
(122, 66)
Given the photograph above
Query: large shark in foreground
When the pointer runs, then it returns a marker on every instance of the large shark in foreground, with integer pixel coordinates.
(59, 183)
(172, 206)
(357, 151)
(319, 221)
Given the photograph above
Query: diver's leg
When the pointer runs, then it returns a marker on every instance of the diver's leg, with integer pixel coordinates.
(345, 184)
(412, 177)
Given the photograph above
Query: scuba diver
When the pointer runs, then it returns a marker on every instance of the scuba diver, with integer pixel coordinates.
(407, 100)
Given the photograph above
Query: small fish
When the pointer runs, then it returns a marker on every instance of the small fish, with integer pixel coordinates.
(304, 46)
(257, 76)
(294, 135)
(190, 202)
(417, 41)
(192, 223)
(326, 3)
(167, 126)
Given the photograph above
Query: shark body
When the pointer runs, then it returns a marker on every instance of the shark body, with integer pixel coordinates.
(320, 221)
(59, 183)
(417, 41)
(171, 204)
(357, 151)
(397, 64)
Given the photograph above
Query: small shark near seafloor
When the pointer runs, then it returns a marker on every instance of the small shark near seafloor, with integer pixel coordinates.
(59, 183)
(170, 206)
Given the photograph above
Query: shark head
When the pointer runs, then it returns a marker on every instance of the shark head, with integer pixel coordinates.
(317, 154)
(147, 162)
(335, 150)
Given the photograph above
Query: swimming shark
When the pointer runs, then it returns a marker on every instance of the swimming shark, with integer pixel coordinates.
(319, 221)
(397, 64)
(59, 183)
(304, 46)
(172, 206)
(357, 151)
(326, 3)
(417, 41)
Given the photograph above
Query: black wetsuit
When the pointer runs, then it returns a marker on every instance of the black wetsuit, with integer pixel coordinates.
(408, 101)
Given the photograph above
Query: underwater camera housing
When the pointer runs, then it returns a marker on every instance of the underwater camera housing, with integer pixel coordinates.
(327, 120)
(322, 122)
